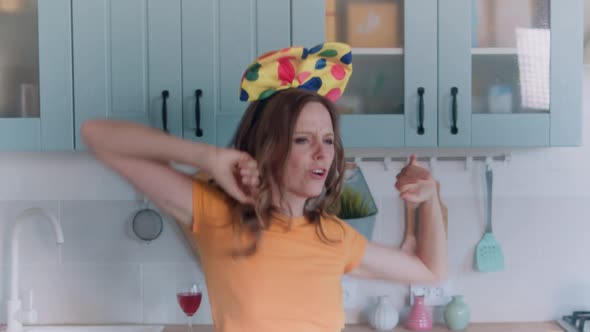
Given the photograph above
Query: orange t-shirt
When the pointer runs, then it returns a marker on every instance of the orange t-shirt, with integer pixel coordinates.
(291, 284)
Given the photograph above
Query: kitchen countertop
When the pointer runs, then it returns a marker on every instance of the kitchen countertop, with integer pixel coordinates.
(474, 327)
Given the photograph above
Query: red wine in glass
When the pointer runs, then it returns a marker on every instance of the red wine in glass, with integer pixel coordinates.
(189, 302)
(189, 298)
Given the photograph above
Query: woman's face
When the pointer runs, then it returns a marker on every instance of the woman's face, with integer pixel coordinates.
(311, 155)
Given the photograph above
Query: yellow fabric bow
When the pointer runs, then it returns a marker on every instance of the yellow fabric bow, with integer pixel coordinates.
(324, 69)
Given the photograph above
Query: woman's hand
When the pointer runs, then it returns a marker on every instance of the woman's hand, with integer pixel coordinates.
(415, 183)
(236, 172)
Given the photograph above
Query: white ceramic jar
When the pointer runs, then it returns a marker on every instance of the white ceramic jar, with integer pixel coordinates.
(384, 317)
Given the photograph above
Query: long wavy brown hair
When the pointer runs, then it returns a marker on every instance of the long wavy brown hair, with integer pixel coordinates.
(266, 133)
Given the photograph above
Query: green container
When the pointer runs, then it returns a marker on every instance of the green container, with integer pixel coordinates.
(358, 207)
(363, 225)
(457, 313)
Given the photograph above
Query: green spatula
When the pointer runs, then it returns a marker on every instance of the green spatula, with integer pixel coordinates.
(488, 253)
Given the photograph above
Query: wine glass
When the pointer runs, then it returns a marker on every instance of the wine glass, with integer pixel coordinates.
(189, 298)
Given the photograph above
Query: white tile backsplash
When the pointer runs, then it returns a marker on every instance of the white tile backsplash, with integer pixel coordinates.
(543, 235)
(542, 231)
(85, 293)
(58, 176)
(389, 226)
(101, 231)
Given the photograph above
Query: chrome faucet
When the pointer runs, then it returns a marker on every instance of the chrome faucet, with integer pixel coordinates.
(15, 316)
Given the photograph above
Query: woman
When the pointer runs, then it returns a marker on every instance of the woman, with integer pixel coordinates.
(262, 219)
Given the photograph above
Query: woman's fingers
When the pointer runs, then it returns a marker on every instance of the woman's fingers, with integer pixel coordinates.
(412, 176)
(236, 192)
(414, 182)
(249, 176)
(255, 180)
(250, 181)
(247, 162)
(417, 192)
(405, 179)
(409, 189)
(234, 172)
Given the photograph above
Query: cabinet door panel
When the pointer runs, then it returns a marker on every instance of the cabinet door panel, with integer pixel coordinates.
(55, 75)
(199, 69)
(164, 63)
(36, 76)
(525, 78)
(126, 53)
(454, 74)
(421, 64)
(273, 22)
(371, 130)
(20, 134)
(510, 130)
(247, 29)
(237, 49)
(309, 24)
(373, 109)
(226, 127)
(566, 72)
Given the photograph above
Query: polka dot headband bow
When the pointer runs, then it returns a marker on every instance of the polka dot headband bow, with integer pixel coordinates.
(324, 69)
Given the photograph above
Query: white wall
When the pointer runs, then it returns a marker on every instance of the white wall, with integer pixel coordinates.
(102, 274)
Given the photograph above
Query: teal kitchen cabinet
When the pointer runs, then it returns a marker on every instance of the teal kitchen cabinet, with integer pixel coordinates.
(175, 65)
(517, 67)
(391, 98)
(127, 62)
(464, 73)
(217, 49)
(35, 76)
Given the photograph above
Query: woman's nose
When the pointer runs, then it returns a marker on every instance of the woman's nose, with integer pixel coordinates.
(320, 152)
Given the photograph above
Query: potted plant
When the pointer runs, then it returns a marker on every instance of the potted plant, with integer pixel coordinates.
(357, 206)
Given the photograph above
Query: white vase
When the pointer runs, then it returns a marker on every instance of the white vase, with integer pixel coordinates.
(384, 316)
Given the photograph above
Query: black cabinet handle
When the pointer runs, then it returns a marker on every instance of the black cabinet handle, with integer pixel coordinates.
(198, 95)
(421, 111)
(454, 129)
(165, 95)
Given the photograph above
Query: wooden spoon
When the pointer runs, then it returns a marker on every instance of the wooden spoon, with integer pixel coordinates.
(445, 211)
(409, 242)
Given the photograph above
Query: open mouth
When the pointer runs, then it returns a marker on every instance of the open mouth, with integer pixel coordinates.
(318, 172)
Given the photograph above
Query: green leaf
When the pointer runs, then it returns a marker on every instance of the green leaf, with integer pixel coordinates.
(353, 205)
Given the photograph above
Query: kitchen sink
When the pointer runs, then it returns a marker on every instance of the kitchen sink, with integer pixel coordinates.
(95, 328)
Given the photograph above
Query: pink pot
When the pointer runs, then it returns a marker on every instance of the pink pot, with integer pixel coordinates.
(419, 319)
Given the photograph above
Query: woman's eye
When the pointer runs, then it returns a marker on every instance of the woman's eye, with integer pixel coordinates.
(329, 141)
(301, 140)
